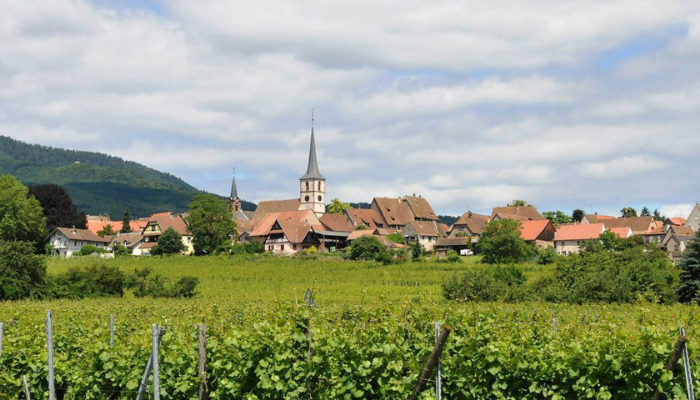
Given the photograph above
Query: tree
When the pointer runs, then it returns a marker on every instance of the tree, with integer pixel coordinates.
(21, 216)
(577, 215)
(210, 222)
(520, 203)
(645, 212)
(365, 248)
(22, 273)
(690, 271)
(501, 242)
(337, 206)
(557, 217)
(107, 230)
(170, 242)
(628, 212)
(126, 222)
(59, 209)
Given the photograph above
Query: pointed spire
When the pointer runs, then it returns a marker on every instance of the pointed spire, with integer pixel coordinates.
(234, 189)
(312, 170)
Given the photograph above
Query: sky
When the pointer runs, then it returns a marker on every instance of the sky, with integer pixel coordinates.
(470, 104)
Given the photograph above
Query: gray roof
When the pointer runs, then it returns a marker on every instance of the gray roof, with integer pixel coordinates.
(312, 169)
(234, 189)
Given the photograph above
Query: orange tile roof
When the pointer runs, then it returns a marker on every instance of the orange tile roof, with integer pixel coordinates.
(579, 232)
(263, 227)
(623, 232)
(81, 234)
(361, 232)
(95, 226)
(531, 230)
(273, 206)
(169, 220)
(678, 221)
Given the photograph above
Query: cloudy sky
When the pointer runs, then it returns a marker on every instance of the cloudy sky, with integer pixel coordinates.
(567, 104)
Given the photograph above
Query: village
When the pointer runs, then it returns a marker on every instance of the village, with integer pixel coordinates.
(294, 225)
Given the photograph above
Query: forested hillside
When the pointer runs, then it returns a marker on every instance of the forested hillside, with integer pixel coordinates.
(98, 183)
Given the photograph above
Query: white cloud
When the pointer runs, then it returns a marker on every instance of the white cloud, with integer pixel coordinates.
(469, 104)
(676, 210)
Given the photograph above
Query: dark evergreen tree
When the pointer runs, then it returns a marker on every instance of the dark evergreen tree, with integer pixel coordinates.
(645, 212)
(690, 271)
(577, 215)
(126, 222)
(58, 207)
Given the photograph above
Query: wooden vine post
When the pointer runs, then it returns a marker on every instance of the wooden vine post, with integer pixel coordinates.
(203, 395)
(676, 354)
(431, 363)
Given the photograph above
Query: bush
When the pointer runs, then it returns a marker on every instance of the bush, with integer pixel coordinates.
(96, 280)
(501, 242)
(156, 286)
(170, 242)
(453, 257)
(365, 248)
(476, 284)
(22, 273)
(385, 257)
(90, 249)
(247, 248)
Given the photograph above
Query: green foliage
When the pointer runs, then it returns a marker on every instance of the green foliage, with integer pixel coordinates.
(546, 256)
(501, 243)
(58, 207)
(453, 257)
(475, 284)
(557, 217)
(417, 251)
(210, 222)
(89, 249)
(645, 212)
(107, 230)
(170, 242)
(385, 257)
(98, 183)
(120, 250)
(21, 216)
(337, 207)
(628, 212)
(22, 273)
(690, 271)
(126, 221)
(577, 215)
(247, 248)
(96, 280)
(396, 238)
(158, 286)
(520, 203)
(361, 227)
(365, 248)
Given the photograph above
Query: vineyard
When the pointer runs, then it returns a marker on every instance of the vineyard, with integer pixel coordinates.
(368, 338)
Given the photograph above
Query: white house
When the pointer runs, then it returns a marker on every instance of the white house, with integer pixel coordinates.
(66, 241)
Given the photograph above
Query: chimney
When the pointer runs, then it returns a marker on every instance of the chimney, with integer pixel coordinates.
(73, 231)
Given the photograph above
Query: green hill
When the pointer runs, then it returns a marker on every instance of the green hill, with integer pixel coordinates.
(98, 183)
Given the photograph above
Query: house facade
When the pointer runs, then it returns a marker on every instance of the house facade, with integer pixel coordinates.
(159, 223)
(426, 233)
(693, 220)
(569, 238)
(66, 241)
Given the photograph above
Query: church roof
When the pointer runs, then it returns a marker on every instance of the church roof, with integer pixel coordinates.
(234, 189)
(272, 206)
(312, 169)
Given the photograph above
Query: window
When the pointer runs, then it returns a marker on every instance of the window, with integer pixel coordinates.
(319, 186)
(307, 185)
(282, 247)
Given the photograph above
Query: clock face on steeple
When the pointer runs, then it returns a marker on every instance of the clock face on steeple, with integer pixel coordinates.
(306, 198)
(320, 198)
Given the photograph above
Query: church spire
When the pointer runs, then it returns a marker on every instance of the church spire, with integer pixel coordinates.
(234, 189)
(312, 169)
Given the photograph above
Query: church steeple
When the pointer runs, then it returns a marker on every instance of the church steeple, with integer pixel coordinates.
(312, 188)
(234, 201)
(312, 168)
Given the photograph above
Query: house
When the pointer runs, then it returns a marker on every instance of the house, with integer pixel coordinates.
(522, 213)
(66, 241)
(443, 245)
(676, 241)
(595, 218)
(541, 232)
(654, 235)
(693, 220)
(131, 241)
(677, 221)
(397, 212)
(424, 232)
(337, 223)
(469, 224)
(159, 223)
(288, 232)
(364, 216)
(623, 232)
(639, 225)
(568, 238)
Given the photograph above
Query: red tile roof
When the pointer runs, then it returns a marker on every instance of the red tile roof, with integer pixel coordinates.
(273, 206)
(639, 225)
(531, 230)
(594, 219)
(472, 221)
(579, 232)
(82, 234)
(337, 223)
(263, 228)
(369, 217)
(623, 232)
(677, 221)
(95, 226)
(393, 210)
(420, 208)
(168, 220)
